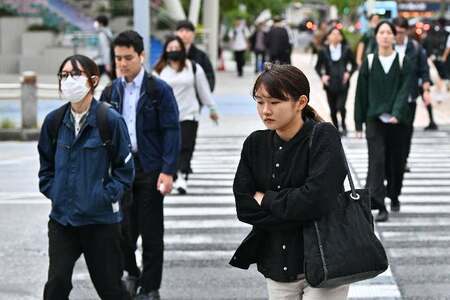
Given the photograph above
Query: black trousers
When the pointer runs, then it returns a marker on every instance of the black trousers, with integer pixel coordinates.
(144, 217)
(410, 131)
(188, 138)
(336, 102)
(239, 57)
(386, 144)
(100, 245)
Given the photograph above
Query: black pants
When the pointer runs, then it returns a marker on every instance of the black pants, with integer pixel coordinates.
(188, 138)
(239, 57)
(100, 245)
(410, 130)
(336, 102)
(386, 144)
(144, 217)
(260, 58)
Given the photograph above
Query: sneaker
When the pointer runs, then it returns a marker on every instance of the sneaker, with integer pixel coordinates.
(152, 295)
(382, 216)
(130, 283)
(181, 184)
(395, 205)
(431, 126)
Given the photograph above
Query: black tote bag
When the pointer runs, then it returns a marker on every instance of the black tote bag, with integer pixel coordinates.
(341, 247)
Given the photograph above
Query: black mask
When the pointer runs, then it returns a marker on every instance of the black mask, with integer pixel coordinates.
(176, 55)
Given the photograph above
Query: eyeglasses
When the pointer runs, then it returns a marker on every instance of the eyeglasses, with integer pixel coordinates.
(75, 74)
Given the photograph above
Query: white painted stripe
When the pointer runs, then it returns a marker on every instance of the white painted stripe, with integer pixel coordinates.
(200, 211)
(199, 255)
(18, 160)
(204, 224)
(408, 236)
(209, 183)
(418, 252)
(21, 202)
(128, 158)
(421, 182)
(434, 209)
(215, 176)
(203, 239)
(416, 222)
(188, 200)
(374, 291)
(414, 175)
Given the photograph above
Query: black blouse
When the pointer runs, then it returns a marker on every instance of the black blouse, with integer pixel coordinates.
(299, 186)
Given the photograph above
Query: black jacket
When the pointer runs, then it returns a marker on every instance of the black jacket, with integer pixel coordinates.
(299, 186)
(202, 59)
(336, 69)
(277, 44)
(420, 72)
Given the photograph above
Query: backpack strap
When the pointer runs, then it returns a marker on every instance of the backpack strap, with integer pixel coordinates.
(104, 128)
(55, 123)
(151, 89)
(194, 70)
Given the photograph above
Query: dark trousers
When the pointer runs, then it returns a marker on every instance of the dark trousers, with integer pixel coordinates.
(188, 138)
(410, 130)
(336, 102)
(144, 217)
(239, 57)
(260, 58)
(100, 245)
(386, 144)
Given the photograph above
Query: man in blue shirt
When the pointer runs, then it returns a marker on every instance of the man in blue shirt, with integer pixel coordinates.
(151, 114)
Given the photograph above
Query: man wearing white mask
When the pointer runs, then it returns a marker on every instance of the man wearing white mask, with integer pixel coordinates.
(84, 175)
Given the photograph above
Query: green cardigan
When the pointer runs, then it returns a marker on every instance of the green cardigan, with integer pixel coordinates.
(378, 92)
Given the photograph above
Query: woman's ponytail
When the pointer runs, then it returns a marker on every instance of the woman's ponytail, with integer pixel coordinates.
(311, 113)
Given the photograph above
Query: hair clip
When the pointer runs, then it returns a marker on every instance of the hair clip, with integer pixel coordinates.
(268, 66)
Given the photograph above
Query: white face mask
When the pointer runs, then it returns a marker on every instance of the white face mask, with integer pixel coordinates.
(74, 90)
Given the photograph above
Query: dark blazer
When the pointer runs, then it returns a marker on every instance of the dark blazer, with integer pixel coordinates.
(420, 72)
(299, 186)
(157, 127)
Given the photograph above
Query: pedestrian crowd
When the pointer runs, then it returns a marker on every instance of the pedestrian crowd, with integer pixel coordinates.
(106, 164)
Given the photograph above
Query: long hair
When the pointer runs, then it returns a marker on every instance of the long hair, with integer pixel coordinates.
(163, 61)
(286, 82)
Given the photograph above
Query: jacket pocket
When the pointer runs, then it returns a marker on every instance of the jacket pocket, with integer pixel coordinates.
(150, 118)
(93, 202)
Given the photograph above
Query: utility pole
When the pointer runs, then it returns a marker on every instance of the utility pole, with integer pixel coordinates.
(141, 21)
(211, 22)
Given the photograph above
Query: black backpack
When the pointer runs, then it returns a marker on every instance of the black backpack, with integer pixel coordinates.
(102, 123)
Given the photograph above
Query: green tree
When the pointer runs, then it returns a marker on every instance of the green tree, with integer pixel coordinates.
(346, 6)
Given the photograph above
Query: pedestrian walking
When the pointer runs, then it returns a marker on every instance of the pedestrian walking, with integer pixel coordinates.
(278, 43)
(239, 43)
(381, 103)
(186, 31)
(367, 44)
(188, 82)
(335, 66)
(280, 184)
(420, 78)
(258, 46)
(104, 57)
(84, 174)
(151, 115)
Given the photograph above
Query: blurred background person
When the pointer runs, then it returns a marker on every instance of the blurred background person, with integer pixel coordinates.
(239, 43)
(258, 46)
(104, 58)
(278, 43)
(367, 44)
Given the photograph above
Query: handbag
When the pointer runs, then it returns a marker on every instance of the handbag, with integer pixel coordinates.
(341, 247)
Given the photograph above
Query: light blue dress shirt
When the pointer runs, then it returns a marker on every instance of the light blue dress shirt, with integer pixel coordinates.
(131, 97)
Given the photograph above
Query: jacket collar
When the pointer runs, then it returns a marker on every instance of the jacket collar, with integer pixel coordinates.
(91, 118)
(303, 133)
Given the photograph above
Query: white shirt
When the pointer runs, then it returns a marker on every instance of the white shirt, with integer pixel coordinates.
(386, 61)
(238, 37)
(184, 88)
(336, 52)
(77, 118)
(132, 91)
(402, 48)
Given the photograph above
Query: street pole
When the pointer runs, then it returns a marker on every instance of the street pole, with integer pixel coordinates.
(141, 21)
(211, 22)
(194, 11)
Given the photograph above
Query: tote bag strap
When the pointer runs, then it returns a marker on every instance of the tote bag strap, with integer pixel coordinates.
(354, 195)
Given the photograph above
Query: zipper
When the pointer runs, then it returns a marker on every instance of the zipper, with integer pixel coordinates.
(322, 255)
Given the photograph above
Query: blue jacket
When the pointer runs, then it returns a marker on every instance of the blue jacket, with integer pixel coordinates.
(157, 124)
(79, 178)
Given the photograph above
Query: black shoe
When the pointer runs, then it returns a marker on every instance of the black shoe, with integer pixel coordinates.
(382, 216)
(130, 283)
(395, 205)
(431, 126)
(343, 133)
(152, 295)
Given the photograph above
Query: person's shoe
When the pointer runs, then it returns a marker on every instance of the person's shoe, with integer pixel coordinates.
(130, 283)
(152, 295)
(343, 132)
(382, 216)
(431, 126)
(181, 184)
(395, 205)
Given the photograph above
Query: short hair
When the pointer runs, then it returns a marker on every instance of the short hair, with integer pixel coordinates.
(103, 20)
(130, 38)
(88, 65)
(185, 24)
(401, 22)
(394, 31)
(371, 16)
